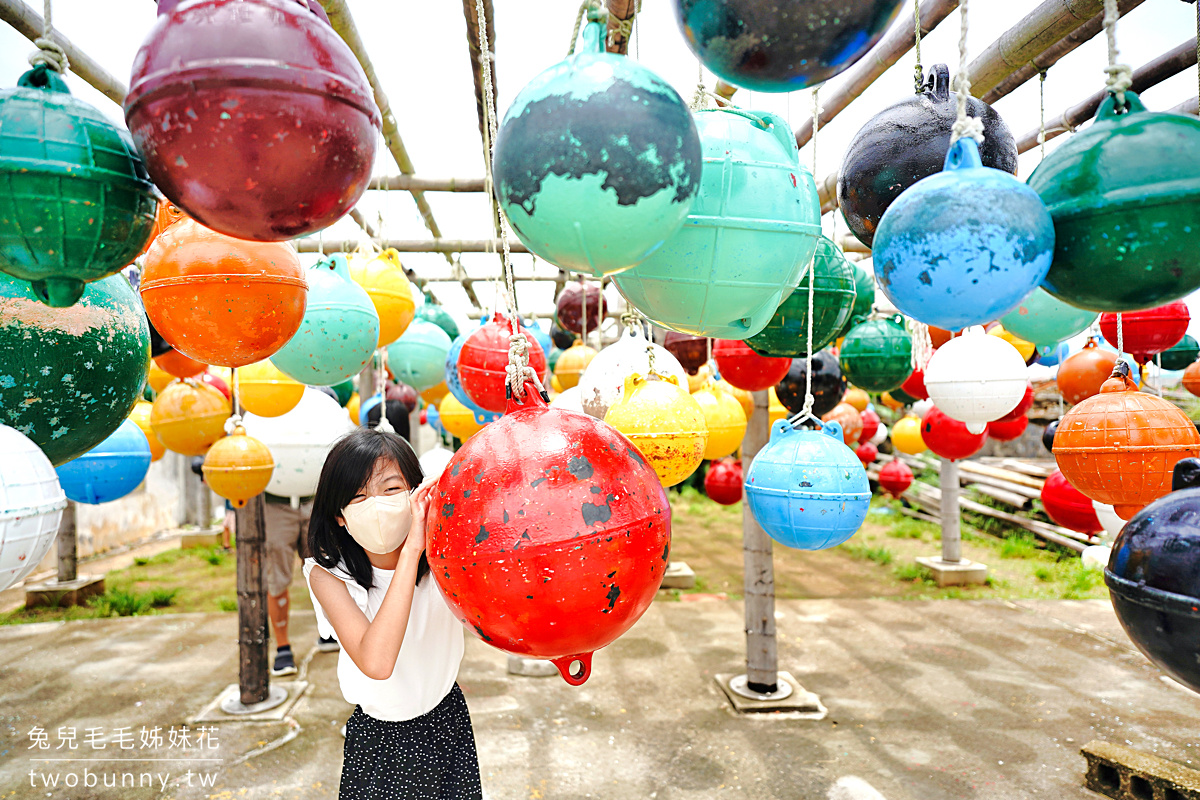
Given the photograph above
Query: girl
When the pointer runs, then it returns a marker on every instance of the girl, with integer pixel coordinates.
(410, 735)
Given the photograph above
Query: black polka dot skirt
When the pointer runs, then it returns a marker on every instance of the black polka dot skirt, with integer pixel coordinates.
(431, 757)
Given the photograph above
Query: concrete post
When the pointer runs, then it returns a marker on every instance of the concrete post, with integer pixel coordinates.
(67, 547)
(253, 640)
(762, 661)
(951, 531)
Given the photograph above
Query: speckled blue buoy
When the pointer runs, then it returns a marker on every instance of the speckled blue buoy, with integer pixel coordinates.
(597, 161)
(963, 246)
(806, 488)
(110, 470)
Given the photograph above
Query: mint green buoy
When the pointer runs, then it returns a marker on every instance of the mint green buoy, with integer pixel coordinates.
(418, 357)
(748, 241)
(597, 161)
(1043, 319)
(339, 331)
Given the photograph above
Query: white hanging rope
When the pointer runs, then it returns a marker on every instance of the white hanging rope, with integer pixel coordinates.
(1041, 138)
(518, 370)
(922, 344)
(964, 125)
(1120, 76)
(809, 400)
(235, 419)
(49, 52)
(918, 73)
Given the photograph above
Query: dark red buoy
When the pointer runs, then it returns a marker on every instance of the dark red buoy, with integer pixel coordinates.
(723, 482)
(1022, 407)
(1007, 430)
(253, 116)
(1068, 506)
(568, 310)
(949, 438)
(549, 534)
(895, 477)
(745, 368)
(484, 358)
(690, 351)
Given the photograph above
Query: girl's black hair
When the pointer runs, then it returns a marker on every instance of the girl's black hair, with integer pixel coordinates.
(347, 470)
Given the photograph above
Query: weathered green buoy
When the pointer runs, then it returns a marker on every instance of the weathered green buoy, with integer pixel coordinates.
(877, 354)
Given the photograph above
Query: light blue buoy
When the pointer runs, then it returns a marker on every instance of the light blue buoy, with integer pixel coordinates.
(434, 418)
(454, 384)
(963, 246)
(748, 241)
(597, 161)
(339, 330)
(806, 488)
(540, 336)
(110, 470)
(418, 357)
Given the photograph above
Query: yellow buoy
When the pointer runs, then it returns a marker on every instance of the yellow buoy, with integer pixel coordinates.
(571, 364)
(700, 379)
(158, 378)
(857, 398)
(1025, 348)
(725, 419)
(264, 390)
(141, 417)
(434, 394)
(189, 416)
(457, 418)
(352, 407)
(382, 277)
(741, 395)
(238, 467)
(906, 435)
(664, 422)
(775, 409)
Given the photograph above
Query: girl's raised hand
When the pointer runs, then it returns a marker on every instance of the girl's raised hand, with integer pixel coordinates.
(419, 503)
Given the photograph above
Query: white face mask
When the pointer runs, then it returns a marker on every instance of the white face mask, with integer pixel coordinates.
(379, 524)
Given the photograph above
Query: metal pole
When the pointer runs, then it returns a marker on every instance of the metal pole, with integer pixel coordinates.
(951, 532)
(253, 644)
(762, 662)
(67, 544)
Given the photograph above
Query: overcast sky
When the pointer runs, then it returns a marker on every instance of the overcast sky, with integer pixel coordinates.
(420, 53)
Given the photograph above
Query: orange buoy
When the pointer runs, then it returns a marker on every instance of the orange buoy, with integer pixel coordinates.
(1191, 378)
(178, 365)
(222, 300)
(1082, 374)
(1121, 445)
(850, 420)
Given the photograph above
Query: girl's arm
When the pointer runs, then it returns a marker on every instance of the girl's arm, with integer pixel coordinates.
(374, 645)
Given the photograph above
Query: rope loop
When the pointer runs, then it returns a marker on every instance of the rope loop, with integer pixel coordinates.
(49, 52)
(964, 126)
(1120, 76)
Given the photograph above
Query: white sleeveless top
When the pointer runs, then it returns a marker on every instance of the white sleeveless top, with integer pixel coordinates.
(427, 665)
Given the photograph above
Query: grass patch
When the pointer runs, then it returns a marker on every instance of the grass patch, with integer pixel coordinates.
(225, 604)
(141, 561)
(120, 603)
(909, 528)
(161, 598)
(214, 557)
(1019, 544)
(912, 572)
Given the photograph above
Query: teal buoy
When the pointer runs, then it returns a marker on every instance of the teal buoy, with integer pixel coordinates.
(748, 240)
(1045, 320)
(339, 330)
(418, 357)
(597, 161)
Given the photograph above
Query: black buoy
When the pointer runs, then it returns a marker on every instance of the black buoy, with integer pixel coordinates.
(1048, 436)
(828, 384)
(906, 142)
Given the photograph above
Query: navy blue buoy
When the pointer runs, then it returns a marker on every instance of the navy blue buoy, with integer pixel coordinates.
(110, 470)
(963, 246)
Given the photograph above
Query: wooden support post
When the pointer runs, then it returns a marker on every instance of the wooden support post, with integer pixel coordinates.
(366, 384)
(67, 544)
(762, 661)
(253, 640)
(951, 529)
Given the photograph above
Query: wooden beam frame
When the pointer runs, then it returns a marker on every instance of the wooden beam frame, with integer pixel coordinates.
(439, 245)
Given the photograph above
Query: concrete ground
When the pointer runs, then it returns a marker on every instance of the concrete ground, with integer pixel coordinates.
(926, 699)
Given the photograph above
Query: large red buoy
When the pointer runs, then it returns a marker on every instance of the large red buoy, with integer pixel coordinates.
(1068, 506)
(549, 534)
(484, 357)
(254, 116)
(1147, 332)
(723, 482)
(949, 438)
(745, 368)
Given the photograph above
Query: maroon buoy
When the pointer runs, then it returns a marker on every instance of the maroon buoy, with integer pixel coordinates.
(253, 116)
(691, 351)
(569, 308)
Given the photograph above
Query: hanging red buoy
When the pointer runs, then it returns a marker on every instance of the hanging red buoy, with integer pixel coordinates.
(692, 351)
(1069, 507)
(723, 482)
(1147, 333)
(867, 452)
(1007, 430)
(914, 386)
(870, 424)
(254, 116)
(568, 309)
(895, 477)
(745, 368)
(949, 438)
(549, 534)
(484, 357)
(1022, 407)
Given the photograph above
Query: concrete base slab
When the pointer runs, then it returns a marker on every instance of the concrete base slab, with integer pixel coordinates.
(1124, 773)
(678, 576)
(954, 573)
(208, 538)
(531, 667)
(67, 593)
(802, 703)
(213, 712)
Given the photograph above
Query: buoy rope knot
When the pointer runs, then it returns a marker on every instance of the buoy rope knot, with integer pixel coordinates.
(922, 344)
(1120, 76)
(49, 52)
(518, 370)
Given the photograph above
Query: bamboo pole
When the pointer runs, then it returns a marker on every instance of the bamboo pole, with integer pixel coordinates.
(471, 14)
(1051, 56)
(343, 23)
(898, 41)
(1168, 64)
(27, 22)
(312, 245)
(411, 183)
